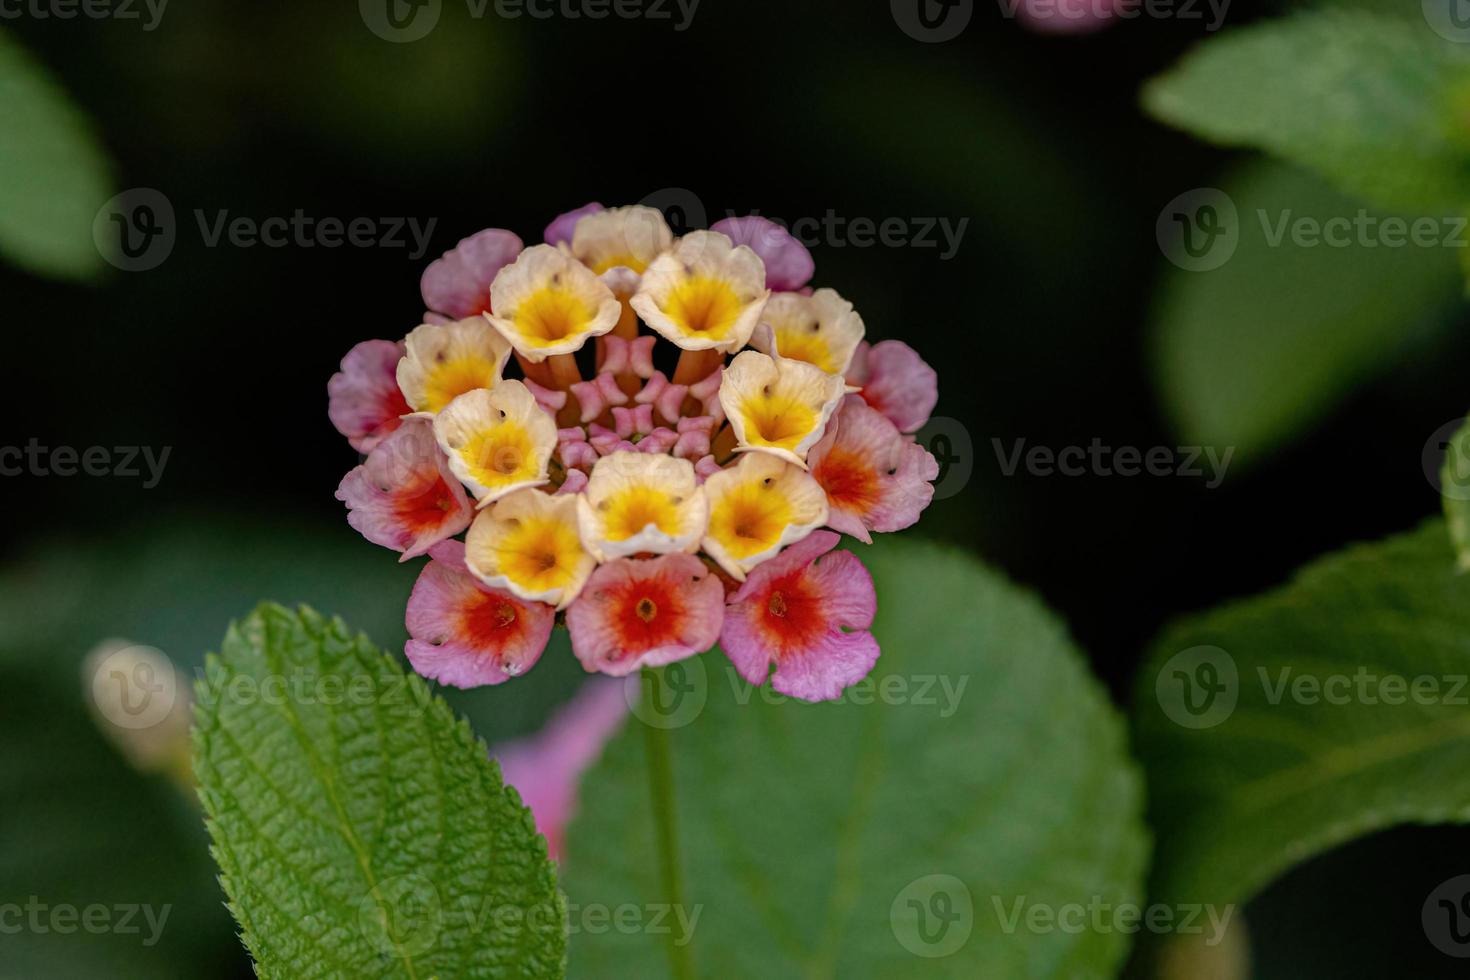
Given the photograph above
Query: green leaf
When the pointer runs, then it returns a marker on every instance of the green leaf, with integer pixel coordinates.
(1454, 488)
(1277, 727)
(362, 830)
(992, 772)
(1254, 351)
(1373, 102)
(53, 173)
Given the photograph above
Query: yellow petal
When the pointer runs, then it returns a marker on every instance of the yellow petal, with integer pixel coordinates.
(641, 502)
(704, 294)
(528, 544)
(498, 440)
(822, 329)
(442, 361)
(778, 406)
(756, 508)
(546, 302)
(630, 238)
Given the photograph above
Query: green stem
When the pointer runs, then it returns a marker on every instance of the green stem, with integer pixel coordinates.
(666, 824)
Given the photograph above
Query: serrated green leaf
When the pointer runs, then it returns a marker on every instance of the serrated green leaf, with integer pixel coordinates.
(362, 830)
(1372, 102)
(812, 834)
(1262, 747)
(1253, 352)
(53, 173)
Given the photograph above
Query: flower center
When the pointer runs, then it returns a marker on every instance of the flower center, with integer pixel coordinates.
(780, 421)
(646, 609)
(704, 305)
(454, 377)
(777, 604)
(552, 314)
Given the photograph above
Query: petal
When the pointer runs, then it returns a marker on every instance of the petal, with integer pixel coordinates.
(559, 232)
(704, 294)
(442, 361)
(778, 406)
(497, 440)
(527, 543)
(629, 238)
(645, 613)
(822, 329)
(810, 615)
(756, 508)
(896, 381)
(465, 635)
(641, 502)
(403, 496)
(547, 302)
(875, 477)
(788, 263)
(363, 399)
(546, 768)
(458, 285)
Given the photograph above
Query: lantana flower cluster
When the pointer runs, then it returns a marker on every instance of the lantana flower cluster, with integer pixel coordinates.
(659, 498)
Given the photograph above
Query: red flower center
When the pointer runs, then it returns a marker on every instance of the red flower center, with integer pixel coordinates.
(425, 509)
(851, 481)
(795, 617)
(490, 621)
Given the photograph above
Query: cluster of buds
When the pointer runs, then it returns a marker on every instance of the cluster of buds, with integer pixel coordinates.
(659, 499)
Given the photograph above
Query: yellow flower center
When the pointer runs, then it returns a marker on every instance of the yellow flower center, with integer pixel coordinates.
(750, 519)
(500, 456)
(601, 264)
(452, 378)
(806, 344)
(627, 513)
(777, 420)
(552, 314)
(704, 305)
(539, 554)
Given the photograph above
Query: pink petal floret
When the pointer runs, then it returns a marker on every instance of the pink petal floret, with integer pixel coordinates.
(809, 617)
(403, 496)
(458, 285)
(559, 232)
(876, 478)
(465, 634)
(896, 381)
(645, 613)
(363, 399)
(789, 265)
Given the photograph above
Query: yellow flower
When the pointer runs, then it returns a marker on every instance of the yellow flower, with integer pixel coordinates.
(704, 294)
(778, 406)
(498, 440)
(641, 502)
(546, 303)
(756, 508)
(822, 329)
(527, 543)
(442, 361)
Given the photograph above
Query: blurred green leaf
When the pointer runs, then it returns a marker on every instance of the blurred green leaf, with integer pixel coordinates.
(365, 832)
(53, 173)
(1375, 103)
(1280, 726)
(886, 835)
(1252, 352)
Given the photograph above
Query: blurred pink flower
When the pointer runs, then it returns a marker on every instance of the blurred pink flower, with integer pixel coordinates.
(1065, 16)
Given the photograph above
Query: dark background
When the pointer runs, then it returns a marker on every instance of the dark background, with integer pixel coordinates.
(1038, 326)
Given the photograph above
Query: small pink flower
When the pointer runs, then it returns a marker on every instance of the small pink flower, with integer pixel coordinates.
(896, 381)
(646, 612)
(808, 617)
(458, 285)
(545, 768)
(876, 478)
(559, 232)
(789, 265)
(363, 399)
(403, 496)
(465, 634)
(1066, 16)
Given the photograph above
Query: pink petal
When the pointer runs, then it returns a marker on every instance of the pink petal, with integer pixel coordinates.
(466, 635)
(809, 615)
(546, 768)
(1065, 16)
(646, 612)
(788, 263)
(896, 381)
(559, 232)
(458, 285)
(363, 399)
(403, 496)
(876, 478)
